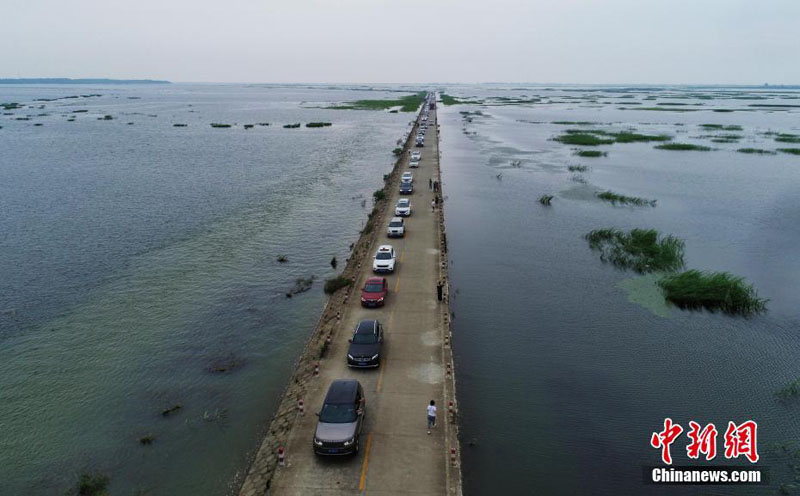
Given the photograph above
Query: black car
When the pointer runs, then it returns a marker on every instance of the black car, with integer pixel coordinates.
(366, 344)
(406, 188)
(340, 419)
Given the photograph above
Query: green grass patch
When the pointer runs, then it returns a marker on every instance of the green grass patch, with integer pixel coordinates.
(628, 137)
(713, 291)
(545, 200)
(379, 195)
(408, 103)
(721, 127)
(147, 439)
(334, 284)
(790, 390)
(575, 123)
(757, 151)
(179, 125)
(220, 125)
(787, 138)
(90, 485)
(683, 147)
(577, 168)
(791, 151)
(249, 126)
(615, 198)
(583, 139)
(640, 249)
(663, 109)
(397, 152)
(318, 124)
(590, 153)
(291, 126)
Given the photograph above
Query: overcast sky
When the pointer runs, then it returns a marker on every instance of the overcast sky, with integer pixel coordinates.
(570, 41)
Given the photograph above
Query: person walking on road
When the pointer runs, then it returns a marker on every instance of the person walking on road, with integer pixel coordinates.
(430, 184)
(431, 416)
(433, 205)
(439, 291)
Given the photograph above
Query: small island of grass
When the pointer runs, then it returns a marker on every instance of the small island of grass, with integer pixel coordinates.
(318, 124)
(291, 126)
(712, 291)
(683, 147)
(408, 103)
(791, 151)
(757, 151)
(615, 198)
(590, 153)
(219, 125)
(640, 249)
(583, 139)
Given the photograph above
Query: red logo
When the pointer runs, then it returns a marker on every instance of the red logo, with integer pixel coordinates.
(740, 440)
(704, 441)
(665, 438)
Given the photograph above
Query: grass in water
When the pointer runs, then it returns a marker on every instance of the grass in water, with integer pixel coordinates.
(577, 168)
(217, 124)
(758, 151)
(319, 124)
(640, 249)
(590, 153)
(179, 125)
(683, 147)
(787, 138)
(336, 283)
(628, 137)
(792, 151)
(546, 199)
(583, 139)
(713, 291)
(90, 485)
(615, 198)
(408, 103)
(790, 390)
(291, 126)
(721, 127)
(575, 123)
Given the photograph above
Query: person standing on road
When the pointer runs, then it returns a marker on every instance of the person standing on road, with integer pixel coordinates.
(439, 288)
(433, 205)
(431, 416)
(430, 184)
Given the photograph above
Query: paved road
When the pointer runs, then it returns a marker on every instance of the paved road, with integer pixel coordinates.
(397, 455)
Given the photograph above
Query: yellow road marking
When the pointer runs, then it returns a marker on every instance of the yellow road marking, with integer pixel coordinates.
(380, 376)
(365, 466)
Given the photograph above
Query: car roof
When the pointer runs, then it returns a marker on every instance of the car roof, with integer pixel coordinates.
(366, 326)
(396, 219)
(385, 248)
(342, 391)
(375, 280)
(403, 201)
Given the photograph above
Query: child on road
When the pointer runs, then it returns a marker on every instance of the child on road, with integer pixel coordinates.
(431, 416)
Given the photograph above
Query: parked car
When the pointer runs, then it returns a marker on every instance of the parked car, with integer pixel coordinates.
(384, 259)
(420, 143)
(403, 207)
(365, 345)
(416, 155)
(374, 292)
(414, 164)
(397, 228)
(406, 188)
(407, 177)
(340, 419)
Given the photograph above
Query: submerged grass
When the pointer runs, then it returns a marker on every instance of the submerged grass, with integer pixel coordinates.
(578, 168)
(683, 147)
(713, 291)
(90, 485)
(590, 153)
(639, 249)
(758, 151)
(408, 103)
(787, 138)
(545, 200)
(291, 126)
(628, 137)
(582, 139)
(319, 124)
(615, 198)
(792, 151)
(219, 125)
(721, 127)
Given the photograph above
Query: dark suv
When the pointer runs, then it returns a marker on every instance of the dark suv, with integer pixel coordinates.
(366, 344)
(340, 419)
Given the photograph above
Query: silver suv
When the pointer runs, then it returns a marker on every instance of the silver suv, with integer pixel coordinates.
(340, 419)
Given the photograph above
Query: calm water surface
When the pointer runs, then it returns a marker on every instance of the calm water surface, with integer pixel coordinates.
(137, 255)
(563, 373)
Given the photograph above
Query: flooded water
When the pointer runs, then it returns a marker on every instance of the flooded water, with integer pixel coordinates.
(138, 256)
(566, 365)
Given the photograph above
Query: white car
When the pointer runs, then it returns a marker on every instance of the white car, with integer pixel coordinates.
(384, 259)
(397, 228)
(407, 177)
(414, 164)
(403, 207)
(416, 156)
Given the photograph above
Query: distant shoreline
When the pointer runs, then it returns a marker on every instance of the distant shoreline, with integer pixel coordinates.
(80, 81)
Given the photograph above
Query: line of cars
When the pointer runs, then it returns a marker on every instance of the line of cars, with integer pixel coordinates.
(341, 417)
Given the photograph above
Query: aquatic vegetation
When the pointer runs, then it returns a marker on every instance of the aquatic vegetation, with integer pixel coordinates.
(582, 139)
(713, 291)
(318, 124)
(38, 124)
(790, 390)
(249, 126)
(334, 263)
(628, 137)
(758, 151)
(579, 179)
(106, 118)
(226, 364)
(301, 285)
(640, 249)
(721, 127)
(787, 138)
(577, 168)
(79, 111)
(282, 258)
(179, 125)
(546, 199)
(683, 147)
(615, 198)
(262, 123)
(726, 138)
(334, 284)
(792, 151)
(663, 109)
(451, 100)
(169, 411)
(11, 106)
(219, 125)
(397, 151)
(90, 485)
(291, 126)
(147, 439)
(575, 123)
(408, 103)
(590, 153)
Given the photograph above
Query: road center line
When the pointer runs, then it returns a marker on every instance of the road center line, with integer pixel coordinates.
(365, 466)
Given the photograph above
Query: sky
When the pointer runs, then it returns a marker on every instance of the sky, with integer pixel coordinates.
(405, 41)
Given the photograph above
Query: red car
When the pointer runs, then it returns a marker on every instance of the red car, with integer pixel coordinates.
(374, 292)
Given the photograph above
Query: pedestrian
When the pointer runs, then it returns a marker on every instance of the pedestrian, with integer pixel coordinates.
(433, 205)
(430, 184)
(436, 186)
(439, 288)
(431, 416)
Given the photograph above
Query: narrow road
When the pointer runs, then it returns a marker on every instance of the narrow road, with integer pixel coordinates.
(397, 455)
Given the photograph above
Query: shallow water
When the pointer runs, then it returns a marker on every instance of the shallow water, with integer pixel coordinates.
(136, 257)
(565, 365)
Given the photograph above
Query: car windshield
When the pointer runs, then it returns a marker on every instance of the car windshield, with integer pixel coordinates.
(373, 287)
(396, 223)
(333, 413)
(365, 338)
(384, 255)
(402, 203)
